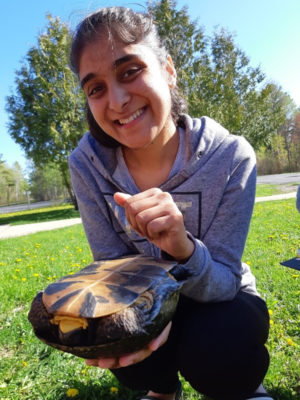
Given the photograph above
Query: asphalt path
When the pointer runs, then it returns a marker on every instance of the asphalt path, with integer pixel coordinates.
(280, 179)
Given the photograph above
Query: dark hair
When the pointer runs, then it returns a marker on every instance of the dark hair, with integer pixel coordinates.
(120, 23)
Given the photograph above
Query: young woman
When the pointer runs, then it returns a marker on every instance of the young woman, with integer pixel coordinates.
(150, 179)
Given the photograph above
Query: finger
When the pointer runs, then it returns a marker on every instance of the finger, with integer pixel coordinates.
(108, 363)
(161, 339)
(92, 362)
(133, 358)
(120, 198)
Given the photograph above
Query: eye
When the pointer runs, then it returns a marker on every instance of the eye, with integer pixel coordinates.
(131, 72)
(95, 90)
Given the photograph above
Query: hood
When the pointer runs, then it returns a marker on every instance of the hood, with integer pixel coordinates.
(203, 135)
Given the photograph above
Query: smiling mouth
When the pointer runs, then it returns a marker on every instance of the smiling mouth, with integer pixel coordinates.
(134, 116)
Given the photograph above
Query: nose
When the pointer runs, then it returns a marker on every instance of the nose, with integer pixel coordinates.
(118, 97)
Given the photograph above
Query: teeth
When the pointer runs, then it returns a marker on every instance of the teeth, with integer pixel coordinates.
(131, 118)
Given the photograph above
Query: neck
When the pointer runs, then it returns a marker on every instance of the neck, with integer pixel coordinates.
(151, 166)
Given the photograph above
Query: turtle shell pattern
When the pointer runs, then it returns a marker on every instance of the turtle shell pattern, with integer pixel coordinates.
(104, 287)
(107, 289)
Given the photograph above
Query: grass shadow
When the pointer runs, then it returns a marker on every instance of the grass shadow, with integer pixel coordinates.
(39, 216)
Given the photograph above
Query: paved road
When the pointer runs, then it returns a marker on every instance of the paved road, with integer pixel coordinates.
(280, 179)
(24, 207)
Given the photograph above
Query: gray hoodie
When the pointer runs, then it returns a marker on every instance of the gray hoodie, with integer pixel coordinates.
(213, 184)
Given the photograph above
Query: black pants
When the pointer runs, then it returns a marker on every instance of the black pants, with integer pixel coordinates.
(217, 347)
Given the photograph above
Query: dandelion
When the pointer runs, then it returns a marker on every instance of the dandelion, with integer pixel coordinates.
(17, 270)
(52, 259)
(72, 392)
(290, 342)
(24, 363)
(271, 322)
(24, 279)
(37, 245)
(18, 260)
(2, 264)
(114, 390)
(36, 275)
(270, 312)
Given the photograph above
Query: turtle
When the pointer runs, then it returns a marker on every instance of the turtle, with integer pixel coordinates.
(107, 309)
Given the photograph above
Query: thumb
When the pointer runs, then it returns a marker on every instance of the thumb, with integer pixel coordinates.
(120, 198)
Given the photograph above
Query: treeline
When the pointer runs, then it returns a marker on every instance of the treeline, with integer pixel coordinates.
(46, 111)
(43, 184)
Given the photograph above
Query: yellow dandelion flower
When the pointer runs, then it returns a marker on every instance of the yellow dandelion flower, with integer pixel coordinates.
(25, 363)
(270, 312)
(36, 275)
(24, 279)
(114, 390)
(52, 259)
(37, 245)
(17, 270)
(290, 342)
(1, 264)
(72, 392)
(18, 260)
(15, 277)
(295, 276)
(83, 371)
(271, 322)
(27, 254)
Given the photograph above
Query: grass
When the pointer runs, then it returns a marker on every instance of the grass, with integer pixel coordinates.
(269, 190)
(39, 215)
(31, 370)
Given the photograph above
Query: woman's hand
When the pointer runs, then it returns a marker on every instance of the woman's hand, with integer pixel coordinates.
(132, 358)
(154, 215)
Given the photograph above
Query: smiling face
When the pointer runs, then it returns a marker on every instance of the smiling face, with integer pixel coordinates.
(128, 92)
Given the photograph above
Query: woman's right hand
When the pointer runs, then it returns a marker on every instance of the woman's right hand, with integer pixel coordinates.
(155, 215)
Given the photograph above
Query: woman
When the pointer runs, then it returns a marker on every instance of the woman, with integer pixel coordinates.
(149, 179)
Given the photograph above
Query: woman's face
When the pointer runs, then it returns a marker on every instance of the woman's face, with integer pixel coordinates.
(128, 91)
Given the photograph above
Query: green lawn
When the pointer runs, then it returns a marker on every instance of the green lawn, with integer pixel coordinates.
(268, 190)
(39, 215)
(31, 370)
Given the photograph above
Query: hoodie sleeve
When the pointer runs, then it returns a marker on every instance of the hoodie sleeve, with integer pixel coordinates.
(104, 242)
(215, 268)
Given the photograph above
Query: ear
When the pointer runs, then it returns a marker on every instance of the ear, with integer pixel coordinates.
(171, 72)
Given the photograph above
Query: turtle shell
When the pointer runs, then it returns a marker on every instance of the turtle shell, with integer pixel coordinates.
(116, 307)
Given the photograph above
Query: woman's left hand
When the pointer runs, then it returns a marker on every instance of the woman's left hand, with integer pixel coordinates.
(154, 215)
(132, 358)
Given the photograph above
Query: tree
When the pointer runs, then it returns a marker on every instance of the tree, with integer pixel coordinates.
(215, 75)
(12, 183)
(46, 183)
(46, 114)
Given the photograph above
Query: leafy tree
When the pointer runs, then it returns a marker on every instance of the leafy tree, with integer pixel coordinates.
(46, 183)
(46, 113)
(12, 183)
(215, 76)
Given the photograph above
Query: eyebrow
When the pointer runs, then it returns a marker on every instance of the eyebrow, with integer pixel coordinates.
(116, 63)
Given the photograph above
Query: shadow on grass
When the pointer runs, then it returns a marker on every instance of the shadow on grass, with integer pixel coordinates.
(278, 393)
(40, 216)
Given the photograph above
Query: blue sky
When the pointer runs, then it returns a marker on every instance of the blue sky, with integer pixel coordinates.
(268, 31)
